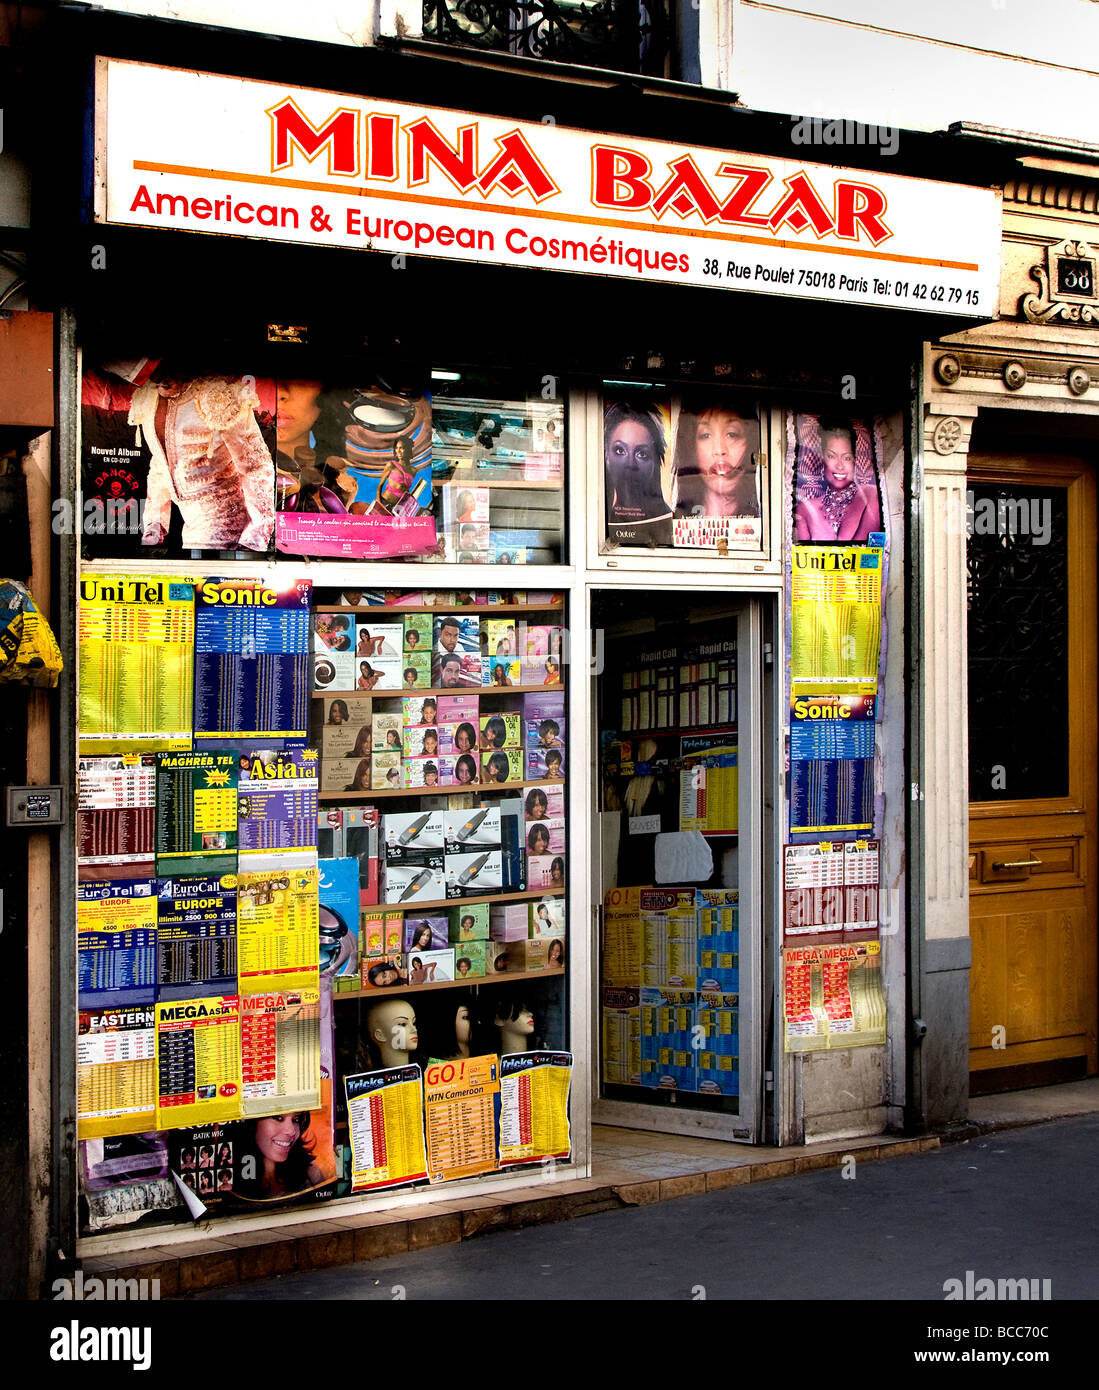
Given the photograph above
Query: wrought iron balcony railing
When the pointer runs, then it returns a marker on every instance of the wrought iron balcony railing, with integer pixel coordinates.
(624, 35)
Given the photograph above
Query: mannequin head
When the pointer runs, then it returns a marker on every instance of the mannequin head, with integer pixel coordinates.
(391, 1026)
(514, 1017)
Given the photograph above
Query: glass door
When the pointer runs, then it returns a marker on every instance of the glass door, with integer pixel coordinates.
(677, 854)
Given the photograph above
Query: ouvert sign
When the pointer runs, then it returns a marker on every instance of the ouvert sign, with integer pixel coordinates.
(207, 153)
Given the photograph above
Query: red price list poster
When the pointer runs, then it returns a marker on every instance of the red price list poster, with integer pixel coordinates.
(386, 1117)
(534, 1106)
(280, 1044)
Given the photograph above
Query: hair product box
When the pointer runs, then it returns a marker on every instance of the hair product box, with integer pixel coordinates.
(458, 709)
(460, 771)
(547, 765)
(458, 737)
(474, 874)
(465, 831)
(509, 921)
(543, 704)
(421, 741)
(411, 882)
(385, 733)
(501, 731)
(408, 831)
(544, 803)
(430, 967)
(504, 765)
(385, 972)
(380, 934)
(425, 933)
(526, 955)
(419, 709)
(543, 734)
(418, 632)
(469, 923)
(416, 671)
(378, 639)
(546, 871)
(385, 771)
(547, 917)
(470, 960)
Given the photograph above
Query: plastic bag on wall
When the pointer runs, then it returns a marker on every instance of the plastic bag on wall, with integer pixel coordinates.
(29, 654)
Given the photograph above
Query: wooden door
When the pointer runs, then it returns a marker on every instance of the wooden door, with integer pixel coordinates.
(1032, 618)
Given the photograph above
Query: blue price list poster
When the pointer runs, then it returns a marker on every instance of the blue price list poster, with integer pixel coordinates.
(832, 763)
(252, 676)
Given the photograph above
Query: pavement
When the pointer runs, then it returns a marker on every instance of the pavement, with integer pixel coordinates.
(631, 1169)
(1012, 1205)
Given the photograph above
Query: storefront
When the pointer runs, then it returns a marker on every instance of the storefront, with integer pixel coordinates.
(509, 522)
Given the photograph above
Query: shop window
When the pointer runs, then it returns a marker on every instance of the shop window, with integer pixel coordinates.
(626, 37)
(321, 903)
(356, 462)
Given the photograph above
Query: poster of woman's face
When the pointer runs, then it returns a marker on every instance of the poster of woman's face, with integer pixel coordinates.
(836, 488)
(636, 473)
(716, 490)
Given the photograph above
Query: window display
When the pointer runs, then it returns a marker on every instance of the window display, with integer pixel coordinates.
(682, 470)
(376, 462)
(274, 948)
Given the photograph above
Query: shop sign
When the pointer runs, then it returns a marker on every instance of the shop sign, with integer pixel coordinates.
(206, 153)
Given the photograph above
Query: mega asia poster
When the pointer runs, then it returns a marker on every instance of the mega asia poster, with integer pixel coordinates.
(177, 457)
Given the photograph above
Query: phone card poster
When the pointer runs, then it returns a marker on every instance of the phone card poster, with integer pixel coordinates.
(385, 1114)
(252, 677)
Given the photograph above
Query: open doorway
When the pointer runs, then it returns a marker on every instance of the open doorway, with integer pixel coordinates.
(677, 847)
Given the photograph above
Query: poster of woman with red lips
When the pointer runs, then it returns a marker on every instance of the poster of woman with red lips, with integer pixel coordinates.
(716, 488)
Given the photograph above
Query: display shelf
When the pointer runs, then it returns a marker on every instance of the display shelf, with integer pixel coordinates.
(423, 692)
(520, 895)
(455, 608)
(516, 484)
(467, 983)
(676, 731)
(437, 791)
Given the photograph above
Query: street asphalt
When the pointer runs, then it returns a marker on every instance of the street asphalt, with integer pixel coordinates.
(1013, 1205)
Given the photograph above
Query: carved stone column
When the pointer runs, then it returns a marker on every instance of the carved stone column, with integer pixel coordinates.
(940, 1072)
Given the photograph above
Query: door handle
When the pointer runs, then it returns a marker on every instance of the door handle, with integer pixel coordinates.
(1018, 864)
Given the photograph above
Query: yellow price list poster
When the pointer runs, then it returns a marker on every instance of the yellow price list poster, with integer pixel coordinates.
(116, 1072)
(835, 618)
(136, 639)
(534, 1107)
(198, 1061)
(278, 930)
(386, 1118)
(459, 1116)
